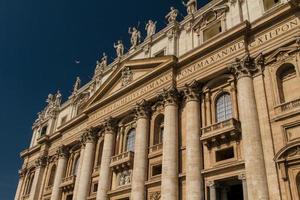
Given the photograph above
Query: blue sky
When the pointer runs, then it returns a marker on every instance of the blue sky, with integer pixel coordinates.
(39, 43)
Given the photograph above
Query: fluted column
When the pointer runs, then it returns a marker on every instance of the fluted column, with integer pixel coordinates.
(169, 178)
(38, 175)
(140, 151)
(194, 163)
(60, 172)
(22, 173)
(105, 174)
(212, 191)
(89, 138)
(253, 151)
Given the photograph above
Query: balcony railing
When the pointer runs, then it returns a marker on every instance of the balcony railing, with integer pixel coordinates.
(221, 132)
(155, 150)
(68, 182)
(287, 106)
(122, 160)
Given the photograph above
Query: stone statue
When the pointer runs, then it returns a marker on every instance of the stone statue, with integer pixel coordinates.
(76, 85)
(50, 99)
(150, 28)
(135, 37)
(172, 15)
(100, 65)
(191, 6)
(58, 98)
(119, 48)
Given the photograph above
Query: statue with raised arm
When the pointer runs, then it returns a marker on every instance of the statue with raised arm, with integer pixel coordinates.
(191, 6)
(135, 37)
(119, 49)
(76, 85)
(150, 28)
(172, 15)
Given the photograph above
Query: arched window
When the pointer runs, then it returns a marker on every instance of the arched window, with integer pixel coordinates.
(223, 107)
(287, 83)
(29, 182)
(75, 166)
(130, 140)
(158, 130)
(52, 175)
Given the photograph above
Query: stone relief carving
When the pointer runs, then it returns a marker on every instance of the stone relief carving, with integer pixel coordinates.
(155, 196)
(127, 76)
(125, 178)
(101, 64)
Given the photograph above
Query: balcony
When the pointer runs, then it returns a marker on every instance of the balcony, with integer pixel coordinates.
(220, 133)
(68, 183)
(287, 107)
(121, 161)
(155, 150)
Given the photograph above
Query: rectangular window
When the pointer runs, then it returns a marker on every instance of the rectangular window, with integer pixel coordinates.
(270, 4)
(212, 31)
(44, 130)
(95, 187)
(156, 170)
(160, 53)
(224, 154)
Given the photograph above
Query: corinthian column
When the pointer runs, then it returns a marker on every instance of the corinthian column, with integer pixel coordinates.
(194, 185)
(89, 139)
(253, 151)
(38, 175)
(62, 153)
(169, 178)
(140, 151)
(104, 178)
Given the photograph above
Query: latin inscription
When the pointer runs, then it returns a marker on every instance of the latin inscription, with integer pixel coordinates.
(133, 96)
(210, 60)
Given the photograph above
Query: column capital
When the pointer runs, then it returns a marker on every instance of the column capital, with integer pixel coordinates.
(191, 92)
(109, 125)
(242, 176)
(41, 161)
(211, 184)
(170, 96)
(142, 109)
(62, 151)
(89, 136)
(244, 67)
(22, 172)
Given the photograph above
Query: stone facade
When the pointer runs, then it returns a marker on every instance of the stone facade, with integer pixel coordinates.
(207, 108)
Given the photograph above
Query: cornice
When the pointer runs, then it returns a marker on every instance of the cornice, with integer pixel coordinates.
(30, 151)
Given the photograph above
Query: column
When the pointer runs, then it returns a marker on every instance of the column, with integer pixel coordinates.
(169, 178)
(60, 172)
(140, 151)
(105, 175)
(208, 108)
(194, 184)
(89, 138)
(242, 177)
(77, 181)
(212, 191)
(253, 152)
(265, 129)
(38, 175)
(22, 173)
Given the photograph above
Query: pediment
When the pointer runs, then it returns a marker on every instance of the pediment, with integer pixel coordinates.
(281, 54)
(129, 74)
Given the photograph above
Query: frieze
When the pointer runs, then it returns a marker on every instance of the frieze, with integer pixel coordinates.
(134, 96)
(207, 61)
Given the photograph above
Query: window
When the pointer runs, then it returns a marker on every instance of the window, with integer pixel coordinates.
(95, 187)
(156, 170)
(212, 31)
(52, 176)
(28, 184)
(224, 154)
(270, 3)
(159, 129)
(130, 140)
(223, 107)
(44, 130)
(287, 83)
(75, 168)
(63, 120)
(160, 53)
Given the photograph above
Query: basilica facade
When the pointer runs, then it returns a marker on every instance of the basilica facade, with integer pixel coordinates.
(208, 108)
